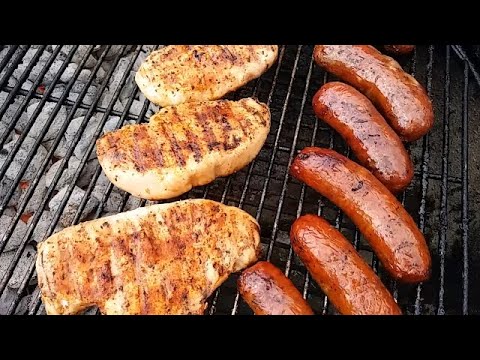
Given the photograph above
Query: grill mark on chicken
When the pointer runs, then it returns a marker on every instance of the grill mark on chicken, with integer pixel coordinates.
(137, 269)
(192, 142)
(145, 153)
(65, 248)
(175, 148)
(207, 131)
(189, 73)
(192, 145)
(163, 270)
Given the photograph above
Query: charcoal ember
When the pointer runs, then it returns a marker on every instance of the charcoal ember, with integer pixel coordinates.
(68, 213)
(65, 178)
(136, 108)
(4, 50)
(29, 55)
(9, 211)
(111, 124)
(71, 133)
(87, 138)
(41, 310)
(36, 70)
(58, 91)
(132, 203)
(5, 185)
(37, 196)
(107, 98)
(3, 128)
(22, 268)
(52, 71)
(100, 186)
(23, 306)
(149, 48)
(17, 235)
(112, 203)
(128, 90)
(90, 95)
(84, 75)
(65, 50)
(68, 72)
(152, 109)
(80, 53)
(21, 157)
(13, 107)
(140, 59)
(100, 75)
(41, 120)
(87, 173)
(6, 258)
(27, 85)
(43, 224)
(116, 50)
(119, 72)
(78, 88)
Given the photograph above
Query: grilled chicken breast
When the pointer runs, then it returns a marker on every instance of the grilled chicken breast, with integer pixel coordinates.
(184, 146)
(162, 259)
(187, 73)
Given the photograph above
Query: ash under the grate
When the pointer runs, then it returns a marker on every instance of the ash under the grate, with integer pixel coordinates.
(406, 294)
(56, 163)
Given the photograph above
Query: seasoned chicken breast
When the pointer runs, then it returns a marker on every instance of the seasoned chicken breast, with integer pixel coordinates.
(187, 73)
(162, 259)
(184, 146)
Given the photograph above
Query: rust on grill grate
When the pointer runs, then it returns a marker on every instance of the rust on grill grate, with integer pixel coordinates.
(55, 101)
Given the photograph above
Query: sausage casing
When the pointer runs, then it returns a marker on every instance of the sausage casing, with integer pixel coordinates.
(398, 96)
(399, 49)
(372, 140)
(347, 280)
(380, 217)
(269, 292)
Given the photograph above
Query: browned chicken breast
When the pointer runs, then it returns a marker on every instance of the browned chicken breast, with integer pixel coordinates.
(162, 259)
(184, 146)
(187, 73)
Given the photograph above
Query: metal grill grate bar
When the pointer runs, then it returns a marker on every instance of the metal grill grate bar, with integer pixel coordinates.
(83, 161)
(13, 66)
(264, 188)
(465, 188)
(42, 169)
(424, 174)
(444, 186)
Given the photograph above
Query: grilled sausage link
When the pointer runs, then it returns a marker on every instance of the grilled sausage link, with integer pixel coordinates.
(398, 96)
(269, 292)
(399, 49)
(379, 216)
(347, 280)
(372, 140)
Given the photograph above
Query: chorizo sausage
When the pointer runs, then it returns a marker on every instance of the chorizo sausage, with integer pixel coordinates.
(372, 140)
(399, 49)
(380, 217)
(269, 292)
(347, 280)
(398, 96)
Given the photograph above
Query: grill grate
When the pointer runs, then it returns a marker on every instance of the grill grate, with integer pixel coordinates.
(441, 198)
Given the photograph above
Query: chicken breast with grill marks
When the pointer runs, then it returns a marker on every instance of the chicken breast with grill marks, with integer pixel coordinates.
(184, 146)
(187, 73)
(162, 259)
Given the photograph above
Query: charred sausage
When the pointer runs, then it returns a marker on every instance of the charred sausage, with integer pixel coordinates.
(347, 280)
(385, 224)
(371, 139)
(399, 49)
(269, 292)
(398, 96)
